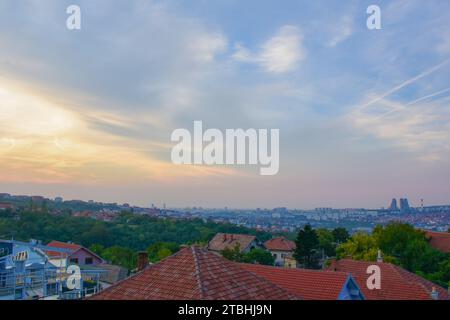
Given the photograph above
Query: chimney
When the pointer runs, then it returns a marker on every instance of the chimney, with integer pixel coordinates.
(434, 294)
(142, 262)
(379, 256)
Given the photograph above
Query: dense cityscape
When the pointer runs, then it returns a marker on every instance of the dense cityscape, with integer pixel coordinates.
(435, 217)
(118, 246)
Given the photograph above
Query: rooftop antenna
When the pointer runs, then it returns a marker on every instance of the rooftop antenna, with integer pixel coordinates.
(379, 256)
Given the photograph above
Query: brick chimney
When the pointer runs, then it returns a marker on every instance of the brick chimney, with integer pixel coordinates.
(142, 261)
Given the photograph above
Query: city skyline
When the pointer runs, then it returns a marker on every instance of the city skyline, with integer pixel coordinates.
(363, 114)
(392, 206)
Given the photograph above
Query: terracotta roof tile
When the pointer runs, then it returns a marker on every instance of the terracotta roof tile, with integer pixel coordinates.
(396, 283)
(71, 247)
(222, 241)
(195, 274)
(62, 245)
(309, 284)
(439, 240)
(280, 244)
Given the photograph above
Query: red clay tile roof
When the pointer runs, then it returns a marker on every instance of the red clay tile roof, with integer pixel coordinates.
(72, 247)
(396, 283)
(280, 244)
(228, 240)
(195, 273)
(62, 245)
(308, 284)
(439, 240)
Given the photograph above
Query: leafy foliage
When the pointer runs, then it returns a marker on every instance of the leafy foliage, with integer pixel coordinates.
(161, 250)
(119, 240)
(340, 235)
(326, 242)
(306, 252)
(403, 245)
(257, 255)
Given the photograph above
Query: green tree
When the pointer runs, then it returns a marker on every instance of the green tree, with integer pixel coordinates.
(361, 246)
(97, 249)
(121, 256)
(401, 244)
(44, 206)
(326, 242)
(408, 245)
(306, 252)
(259, 256)
(233, 254)
(340, 235)
(160, 250)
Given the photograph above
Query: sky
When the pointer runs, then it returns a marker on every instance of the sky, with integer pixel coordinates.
(363, 114)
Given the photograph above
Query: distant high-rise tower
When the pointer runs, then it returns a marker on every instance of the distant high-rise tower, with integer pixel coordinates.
(393, 206)
(404, 205)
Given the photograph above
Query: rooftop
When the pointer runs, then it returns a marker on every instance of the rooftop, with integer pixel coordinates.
(396, 282)
(72, 247)
(309, 284)
(222, 241)
(62, 245)
(439, 240)
(195, 273)
(280, 244)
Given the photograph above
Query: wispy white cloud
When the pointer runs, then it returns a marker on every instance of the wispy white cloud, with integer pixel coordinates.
(343, 30)
(207, 45)
(419, 127)
(281, 53)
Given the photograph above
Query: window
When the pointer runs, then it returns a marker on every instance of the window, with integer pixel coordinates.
(88, 260)
(73, 260)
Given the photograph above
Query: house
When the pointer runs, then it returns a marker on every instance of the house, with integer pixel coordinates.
(281, 249)
(23, 268)
(222, 241)
(77, 254)
(310, 284)
(439, 240)
(27, 273)
(396, 282)
(112, 275)
(194, 273)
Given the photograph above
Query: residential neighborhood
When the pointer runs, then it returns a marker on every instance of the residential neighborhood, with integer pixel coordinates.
(201, 273)
(35, 271)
